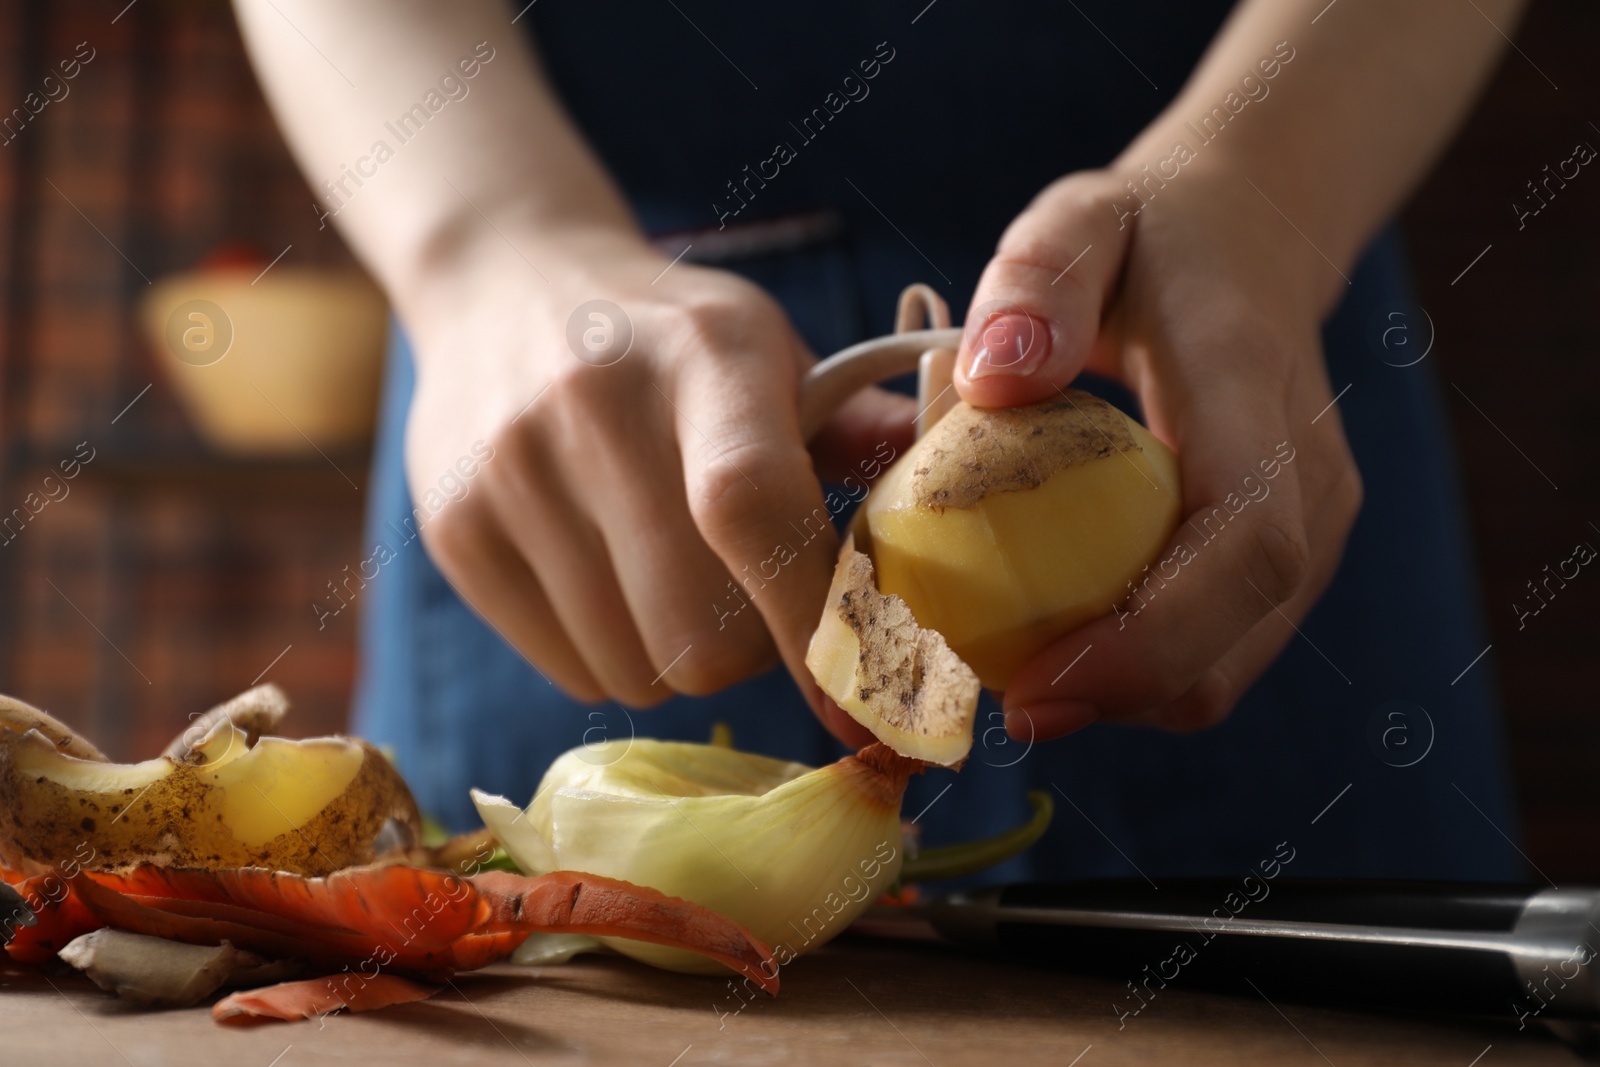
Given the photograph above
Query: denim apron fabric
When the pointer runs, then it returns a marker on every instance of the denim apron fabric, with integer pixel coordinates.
(1360, 747)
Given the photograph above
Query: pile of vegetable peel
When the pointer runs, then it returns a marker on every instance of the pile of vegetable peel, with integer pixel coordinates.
(364, 923)
(347, 905)
(139, 908)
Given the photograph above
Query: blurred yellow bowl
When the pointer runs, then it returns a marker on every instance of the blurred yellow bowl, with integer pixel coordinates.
(281, 364)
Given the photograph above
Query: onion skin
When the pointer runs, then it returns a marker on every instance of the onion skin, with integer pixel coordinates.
(791, 853)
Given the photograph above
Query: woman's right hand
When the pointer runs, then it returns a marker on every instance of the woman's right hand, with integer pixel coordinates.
(633, 498)
(601, 537)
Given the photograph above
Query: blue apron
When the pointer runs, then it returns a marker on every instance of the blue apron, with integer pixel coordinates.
(1364, 747)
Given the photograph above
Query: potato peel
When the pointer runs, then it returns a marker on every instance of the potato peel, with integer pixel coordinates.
(973, 453)
(17, 716)
(257, 712)
(900, 681)
(309, 807)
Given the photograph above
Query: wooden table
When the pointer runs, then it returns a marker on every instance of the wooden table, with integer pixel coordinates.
(859, 1001)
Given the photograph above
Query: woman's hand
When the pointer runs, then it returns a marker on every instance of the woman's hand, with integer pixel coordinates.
(1208, 306)
(636, 496)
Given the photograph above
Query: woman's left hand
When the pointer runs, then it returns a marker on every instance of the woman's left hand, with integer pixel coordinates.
(1207, 305)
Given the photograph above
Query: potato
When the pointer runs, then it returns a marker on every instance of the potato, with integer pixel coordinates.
(1005, 529)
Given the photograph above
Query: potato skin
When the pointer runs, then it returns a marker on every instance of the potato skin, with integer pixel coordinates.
(177, 819)
(20, 716)
(898, 680)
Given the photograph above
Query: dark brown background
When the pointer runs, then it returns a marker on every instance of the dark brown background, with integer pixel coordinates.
(201, 571)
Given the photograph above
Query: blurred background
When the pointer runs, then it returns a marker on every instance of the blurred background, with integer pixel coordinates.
(181, 562)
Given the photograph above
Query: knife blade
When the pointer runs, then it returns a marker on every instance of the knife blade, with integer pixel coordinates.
(1481, 948)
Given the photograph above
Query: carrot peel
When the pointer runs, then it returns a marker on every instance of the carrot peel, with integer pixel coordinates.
(310, 997)
(574, 903)
(59, 916)
(408, 920)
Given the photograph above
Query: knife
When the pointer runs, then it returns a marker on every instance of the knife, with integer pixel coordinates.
(1480, 948)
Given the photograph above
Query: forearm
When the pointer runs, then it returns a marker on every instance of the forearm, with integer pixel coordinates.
(1344, 129)
(499, 154)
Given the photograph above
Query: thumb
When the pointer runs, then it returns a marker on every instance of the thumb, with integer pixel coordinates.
(1038, 307)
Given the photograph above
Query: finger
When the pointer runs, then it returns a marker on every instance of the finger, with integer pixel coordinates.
(842, 726)
(699, 631)
(553, 534)
(490, 576)
(1241, 550)
(754, 496)
(1038, 308)
(865, 434)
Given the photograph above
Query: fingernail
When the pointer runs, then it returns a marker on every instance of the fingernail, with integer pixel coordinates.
(1012, 344)
(1054, 719)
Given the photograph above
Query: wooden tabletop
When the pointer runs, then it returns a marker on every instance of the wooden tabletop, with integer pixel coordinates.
(858, 1001)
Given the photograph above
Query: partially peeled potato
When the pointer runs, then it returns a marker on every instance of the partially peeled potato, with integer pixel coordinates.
(997, 533)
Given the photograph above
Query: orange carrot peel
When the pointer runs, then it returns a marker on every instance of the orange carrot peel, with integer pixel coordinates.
(59, 916)
(310, 997)
(409, 920)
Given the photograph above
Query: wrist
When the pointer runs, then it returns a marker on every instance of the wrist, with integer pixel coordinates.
(1262, 219)
(524, 266)
(1275, 207)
